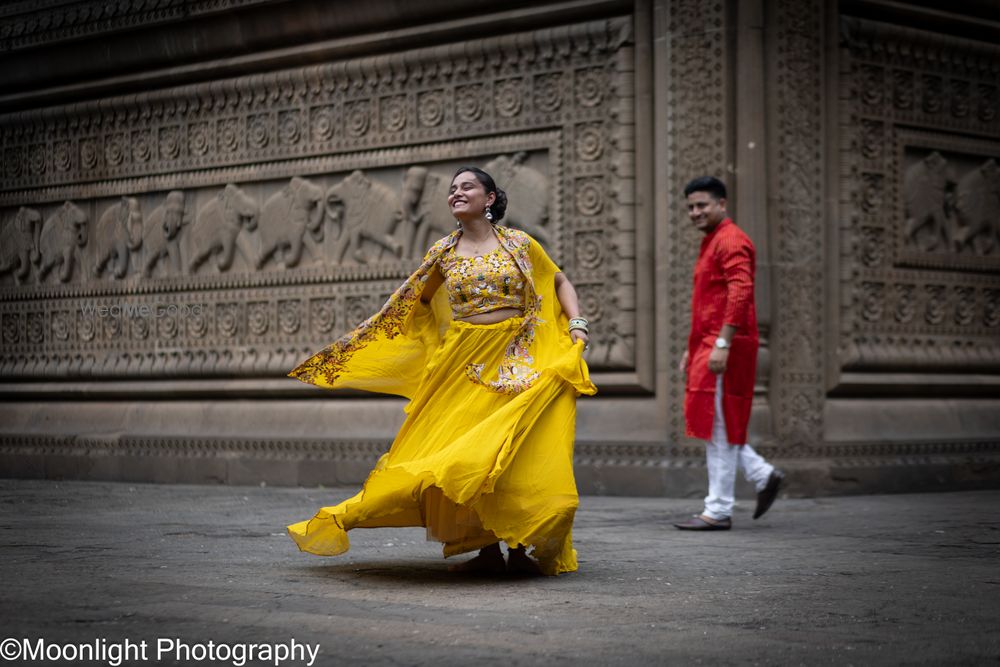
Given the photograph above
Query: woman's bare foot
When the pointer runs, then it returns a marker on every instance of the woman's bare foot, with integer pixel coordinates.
(489, 561)
(519, 562)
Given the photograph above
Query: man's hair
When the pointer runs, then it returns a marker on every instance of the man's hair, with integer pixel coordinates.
(709, 184)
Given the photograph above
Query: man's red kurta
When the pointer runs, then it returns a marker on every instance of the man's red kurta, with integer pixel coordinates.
(723, 294)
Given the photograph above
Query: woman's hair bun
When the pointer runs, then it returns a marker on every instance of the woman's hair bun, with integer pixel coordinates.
(499, 207)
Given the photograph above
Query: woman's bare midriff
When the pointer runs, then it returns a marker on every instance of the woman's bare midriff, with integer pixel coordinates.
(493, 316)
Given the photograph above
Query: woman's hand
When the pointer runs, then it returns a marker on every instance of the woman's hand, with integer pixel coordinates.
(577, 334)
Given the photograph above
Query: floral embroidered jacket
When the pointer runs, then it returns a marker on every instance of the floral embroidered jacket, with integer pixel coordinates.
(388, 352)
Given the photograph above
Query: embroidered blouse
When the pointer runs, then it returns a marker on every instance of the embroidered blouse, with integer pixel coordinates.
(482, 284)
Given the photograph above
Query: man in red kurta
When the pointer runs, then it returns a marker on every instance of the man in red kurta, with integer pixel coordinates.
(721, 358)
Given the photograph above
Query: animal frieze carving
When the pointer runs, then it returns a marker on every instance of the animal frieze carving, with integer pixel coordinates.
(946, 212)
(161, 239)
(528, 190)
(217, 227)
(19, 241)
(63, 235)
(368, 214)
(119, 234)
(928, 192)
(287, 216)
(977, 205)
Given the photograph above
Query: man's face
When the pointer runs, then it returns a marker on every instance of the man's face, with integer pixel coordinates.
(705, 211)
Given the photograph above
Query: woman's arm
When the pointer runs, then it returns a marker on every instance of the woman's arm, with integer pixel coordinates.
(434, 281)
(570, 303)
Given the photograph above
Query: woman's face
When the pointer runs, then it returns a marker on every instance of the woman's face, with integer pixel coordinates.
(467, 197)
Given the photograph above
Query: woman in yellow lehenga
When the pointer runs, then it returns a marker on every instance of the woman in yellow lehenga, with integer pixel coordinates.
(492, 365)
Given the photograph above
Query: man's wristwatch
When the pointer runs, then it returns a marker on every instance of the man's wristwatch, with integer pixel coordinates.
(721, 343)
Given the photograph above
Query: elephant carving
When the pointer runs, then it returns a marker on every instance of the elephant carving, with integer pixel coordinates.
(286, 217)
(62, 234)
(217, 226)
(528, 192)
(928, 187)
(425, 208)
(161, 239)
(19, 244)
(978, 207)
(369, 215)
(119, 233)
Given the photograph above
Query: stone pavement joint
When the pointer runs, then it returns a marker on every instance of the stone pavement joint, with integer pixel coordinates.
(863, 580)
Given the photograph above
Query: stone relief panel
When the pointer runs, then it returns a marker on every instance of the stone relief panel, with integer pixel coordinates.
(798, 244)
(235, 226)
(698, 115)
(920, 184)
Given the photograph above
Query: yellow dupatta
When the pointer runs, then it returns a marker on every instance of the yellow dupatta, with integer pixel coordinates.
(387, 353)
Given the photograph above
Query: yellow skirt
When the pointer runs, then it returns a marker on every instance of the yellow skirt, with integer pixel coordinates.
(471, 465)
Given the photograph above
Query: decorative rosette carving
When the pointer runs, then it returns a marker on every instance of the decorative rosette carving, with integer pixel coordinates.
(62, 156)
(167, 326)
(589, 249)
(322, 123)
(114, 149)
(509, 97)
(140, 328)
(36, 327)
(170, 146)
(229, 135)
(469, 102)
(936, 306)
(393, 113)
(197, 322)
(60, 326)
(872, 301)
(430, 108)
(358, 118)
(198, 139)
(36, 159)
(289, 127)
(589, 142)
(591, 86)
(227, 319)
(548, 92)
(589, 196)
(86, 328)
(258, 132)
(323, 315)
(257, 318)
(88, 153)
(142, 150)
(289, 317)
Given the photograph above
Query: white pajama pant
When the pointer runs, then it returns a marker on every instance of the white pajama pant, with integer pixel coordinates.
(723, 459)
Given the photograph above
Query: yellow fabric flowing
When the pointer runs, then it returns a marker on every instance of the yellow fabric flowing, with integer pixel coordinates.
(486, 451)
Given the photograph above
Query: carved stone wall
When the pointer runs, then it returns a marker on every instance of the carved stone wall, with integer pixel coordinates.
(697, 121)
(796, 124)
(231, 227)
(920, 246)
(175, 236)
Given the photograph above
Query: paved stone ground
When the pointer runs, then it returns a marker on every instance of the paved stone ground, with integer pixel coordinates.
(872, 580)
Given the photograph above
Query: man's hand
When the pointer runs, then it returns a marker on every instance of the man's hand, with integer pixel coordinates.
(683, 366)
(717, 360)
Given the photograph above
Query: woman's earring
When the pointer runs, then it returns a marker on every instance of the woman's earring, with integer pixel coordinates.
(489, 214)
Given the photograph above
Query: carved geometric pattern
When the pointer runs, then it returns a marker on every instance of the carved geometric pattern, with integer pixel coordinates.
(920, 188)
(798, 188)
(697, 104)
(586, 455)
